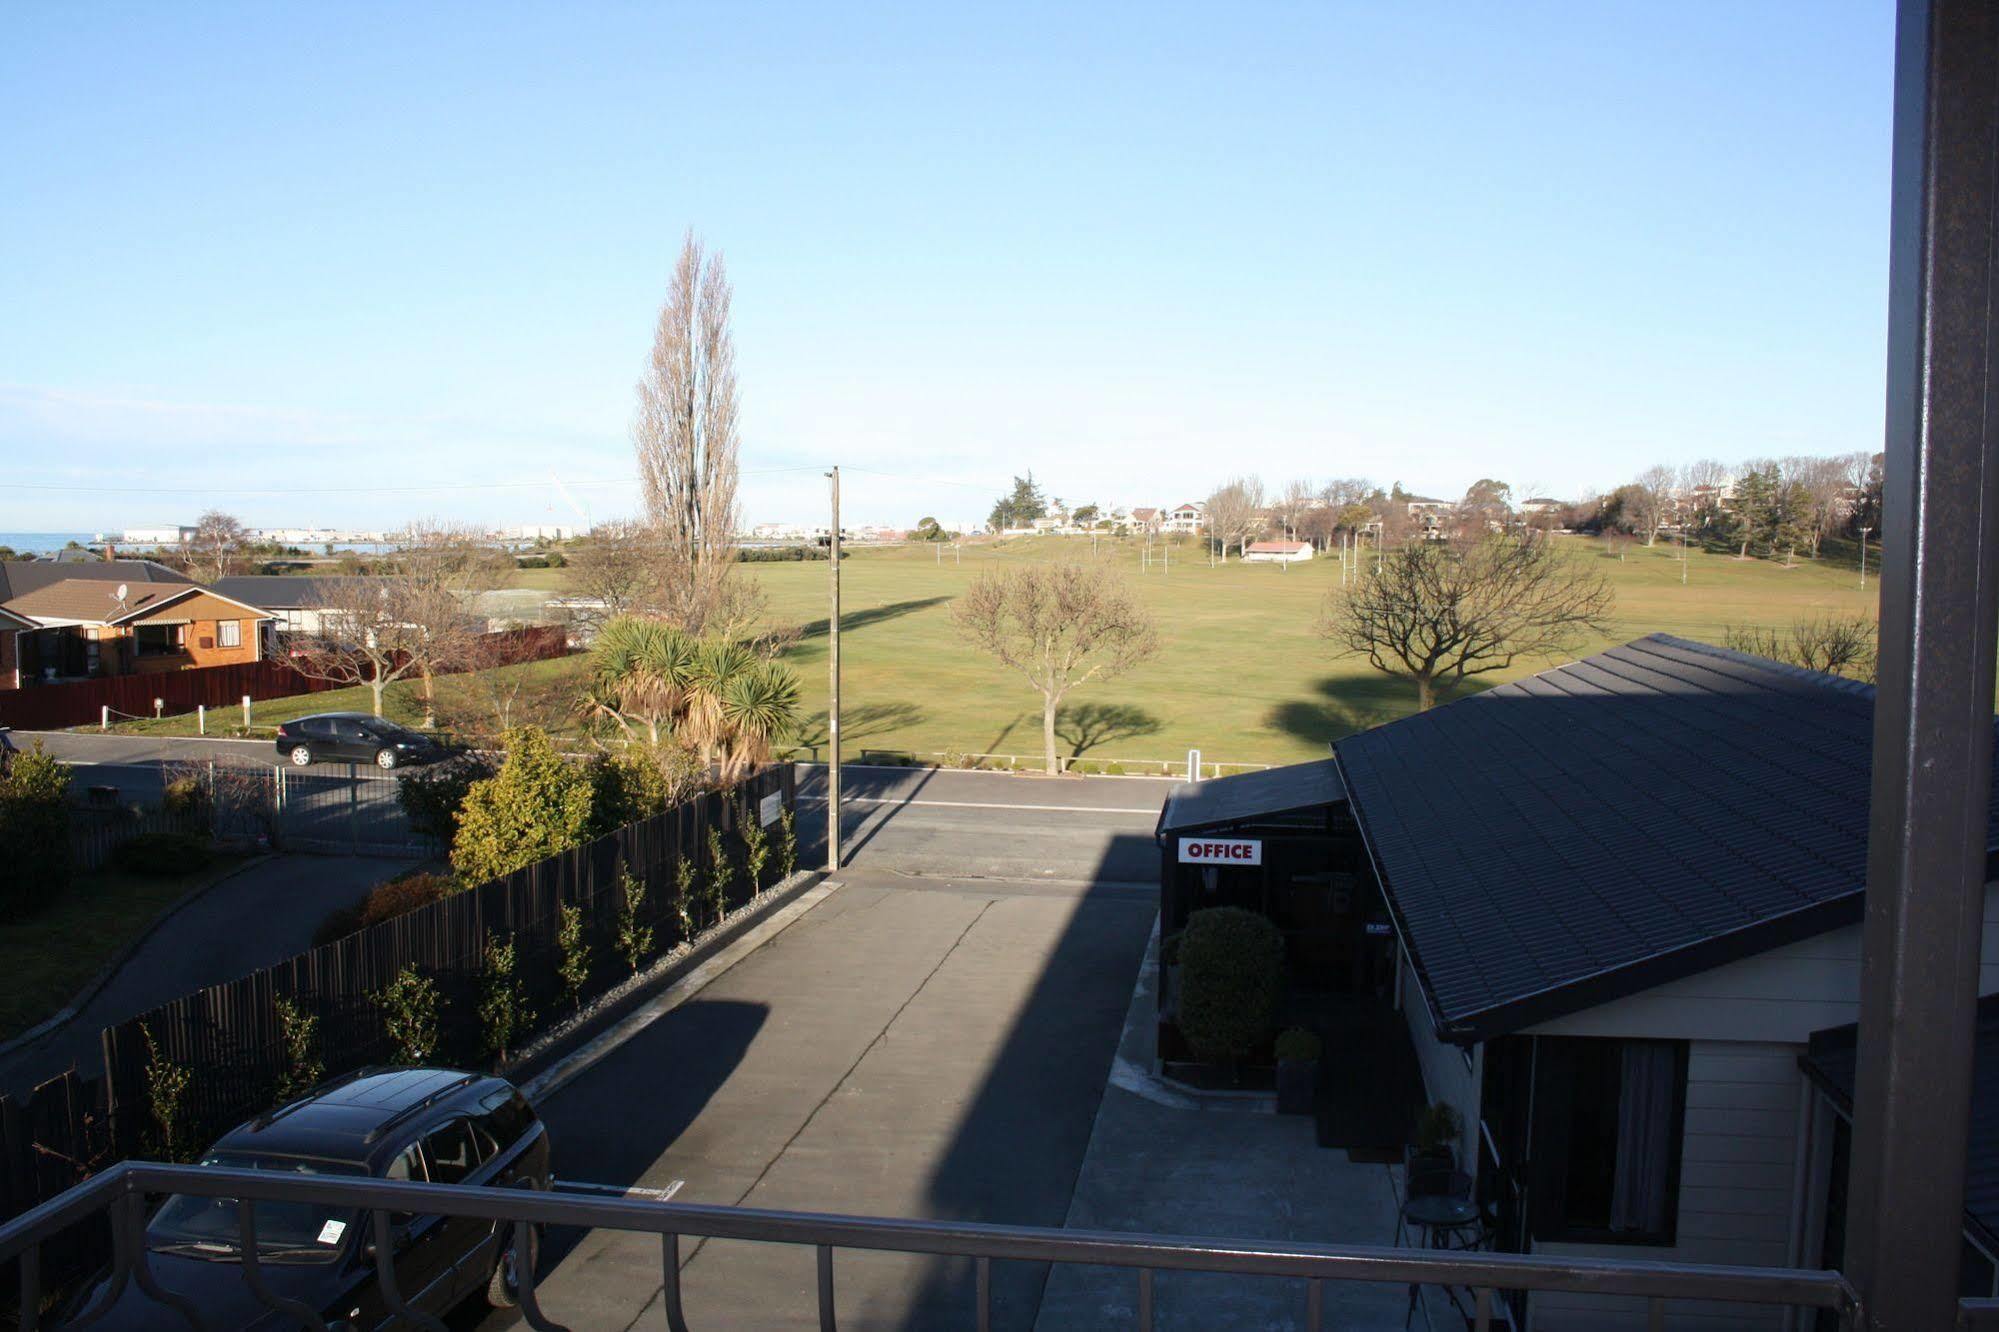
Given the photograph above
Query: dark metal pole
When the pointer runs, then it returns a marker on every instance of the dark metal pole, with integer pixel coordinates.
(833, 695)
(1933, 718)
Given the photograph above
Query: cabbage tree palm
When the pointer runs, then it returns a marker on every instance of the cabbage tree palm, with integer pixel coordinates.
(641, 674)
(716, 695)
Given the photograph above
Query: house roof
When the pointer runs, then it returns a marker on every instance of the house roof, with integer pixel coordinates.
(91, 600)
(1279, 547)
(283, 592)
(94, 601)
(19, 577)
(1592, 831)
(8, 619)
(1830, 1060)
(1192, 806)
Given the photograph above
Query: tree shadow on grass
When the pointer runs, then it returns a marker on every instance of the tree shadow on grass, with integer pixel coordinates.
(1086, 726)
(861, 619)
(1345, 704)
(859, 723)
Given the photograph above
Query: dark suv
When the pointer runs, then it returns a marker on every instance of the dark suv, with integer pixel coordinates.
(422, 1124)
(355, 737)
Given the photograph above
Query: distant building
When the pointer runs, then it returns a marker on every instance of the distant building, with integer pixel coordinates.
(1276, 552)
(1185, 519)
(157, 536)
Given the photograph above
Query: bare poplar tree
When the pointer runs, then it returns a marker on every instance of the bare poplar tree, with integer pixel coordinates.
(686, 438)
(1059, 625)
(216, 545)
(1441, 611)
(1292, 504)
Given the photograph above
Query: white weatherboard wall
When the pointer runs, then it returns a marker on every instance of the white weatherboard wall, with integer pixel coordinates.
(1449, 1071)
(1746, 1024)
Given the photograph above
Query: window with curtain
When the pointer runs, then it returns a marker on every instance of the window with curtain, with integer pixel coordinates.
(1608, 1116)
(229, 633)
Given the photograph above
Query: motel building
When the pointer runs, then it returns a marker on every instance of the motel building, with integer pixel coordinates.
(1610, 914)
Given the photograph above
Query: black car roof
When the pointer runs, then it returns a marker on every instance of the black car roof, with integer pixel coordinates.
(363, 1116)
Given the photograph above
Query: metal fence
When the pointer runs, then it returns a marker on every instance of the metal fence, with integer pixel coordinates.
(119, 1194)
(95, 833)
(346, 808)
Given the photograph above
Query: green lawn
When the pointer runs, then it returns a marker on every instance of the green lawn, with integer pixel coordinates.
(47, 958)
(1243, 675)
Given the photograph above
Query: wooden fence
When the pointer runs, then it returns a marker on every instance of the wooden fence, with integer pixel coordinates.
(44, 707)
(227, 1035)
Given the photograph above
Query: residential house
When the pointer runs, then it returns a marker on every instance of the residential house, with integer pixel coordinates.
(1429, 514)
(1146, 520)
(1539, 505)
(1626, 895)
(18, 577)
(1185, 519)
(1276, 552)
(84, 627)
(292, 602)
(11, 627)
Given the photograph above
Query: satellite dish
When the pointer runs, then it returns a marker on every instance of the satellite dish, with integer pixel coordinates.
(122, 592)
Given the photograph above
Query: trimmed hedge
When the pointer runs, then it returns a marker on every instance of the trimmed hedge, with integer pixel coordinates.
(1231, 982)
(161, 855)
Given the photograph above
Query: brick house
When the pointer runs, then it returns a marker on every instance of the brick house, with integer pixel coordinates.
(10, 626)
(82, 627)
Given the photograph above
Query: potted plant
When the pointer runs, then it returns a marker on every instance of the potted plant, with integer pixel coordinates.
(1438, 1128)
(1297, 1071)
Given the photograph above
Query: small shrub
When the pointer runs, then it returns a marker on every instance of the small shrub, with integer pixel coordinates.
(298, 1036)
(572, 954)
(682, 902)
(166, 1101)
(34, 829)
(536, 805)
(787, 846)
(756, 845)
(1231, 979)
(185, 795)
(639, 782)
(719, 874)
(504, 1014)
(161, 855)
(409, 1015)
(1438, 1128)
(386, 901)
(1299, 1044)
(634, 937)
(433, 796)
(1113, 769)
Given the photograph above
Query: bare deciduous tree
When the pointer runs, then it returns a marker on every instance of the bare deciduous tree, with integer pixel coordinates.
(1649, 501)
(1292, 504)
(1441, 611)
(1835, 644)
(619, 569)
(1701, 483)
(1059, 625)
(1826, 487)
(685, 435)
(216, 546)
(1235, 512)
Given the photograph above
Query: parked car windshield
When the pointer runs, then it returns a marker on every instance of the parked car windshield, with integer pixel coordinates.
(286, 1231)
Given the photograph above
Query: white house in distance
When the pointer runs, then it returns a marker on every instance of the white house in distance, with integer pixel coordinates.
(1277, 552)
(1185, 519)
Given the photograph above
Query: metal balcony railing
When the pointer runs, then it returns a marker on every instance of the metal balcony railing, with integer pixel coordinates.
(121, 1192)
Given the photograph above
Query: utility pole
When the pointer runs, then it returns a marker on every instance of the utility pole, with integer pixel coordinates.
(1863, 557)
(833, 704)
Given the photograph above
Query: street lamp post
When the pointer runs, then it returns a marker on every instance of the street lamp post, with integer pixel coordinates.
(833, 695)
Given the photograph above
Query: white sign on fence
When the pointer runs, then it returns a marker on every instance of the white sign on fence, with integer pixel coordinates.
(770, 808)
(1220, 851)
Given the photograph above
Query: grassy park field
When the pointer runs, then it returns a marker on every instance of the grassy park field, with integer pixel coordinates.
(1243, 674)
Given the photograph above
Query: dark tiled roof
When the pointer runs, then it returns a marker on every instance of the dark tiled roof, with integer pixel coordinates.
(1595, 830)
(20, 577)
(1251, 795)
(284, 591)
(1830, 1059)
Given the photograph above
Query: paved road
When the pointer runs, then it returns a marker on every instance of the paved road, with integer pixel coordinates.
(905, 820)
(262, 915)
(932, 1048)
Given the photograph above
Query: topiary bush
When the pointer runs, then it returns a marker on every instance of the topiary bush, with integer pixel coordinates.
(161, 855)
(539, 803)
(1231, 980)
(432, 796)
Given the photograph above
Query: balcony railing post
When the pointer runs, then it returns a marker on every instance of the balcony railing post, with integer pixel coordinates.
(1933, 717)
(669, 1292)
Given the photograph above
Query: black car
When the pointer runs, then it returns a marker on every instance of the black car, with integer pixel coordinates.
(419, 1124)
(355, 737)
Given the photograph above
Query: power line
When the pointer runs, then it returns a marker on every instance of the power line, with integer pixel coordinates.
(540, 484)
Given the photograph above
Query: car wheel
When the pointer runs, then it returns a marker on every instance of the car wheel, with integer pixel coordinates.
(503, 1288)
(385, 759)
(301, 755)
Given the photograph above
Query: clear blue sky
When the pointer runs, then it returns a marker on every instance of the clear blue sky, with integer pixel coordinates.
(319, 248)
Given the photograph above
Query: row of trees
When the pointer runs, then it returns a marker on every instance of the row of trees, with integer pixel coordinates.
(1768, 506)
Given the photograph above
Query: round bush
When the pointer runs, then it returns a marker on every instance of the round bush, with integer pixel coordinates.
(161, 854)
(1231, 979)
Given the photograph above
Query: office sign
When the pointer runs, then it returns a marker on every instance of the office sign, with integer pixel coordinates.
(770, 808)
(1220, 851)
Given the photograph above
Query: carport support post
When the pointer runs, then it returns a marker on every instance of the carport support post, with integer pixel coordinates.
(833, 693)
(1933, 712)
(246, 712)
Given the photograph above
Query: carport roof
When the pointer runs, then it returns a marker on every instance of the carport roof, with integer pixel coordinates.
(1251, 795)
(1830, 1058)
(1595, 830)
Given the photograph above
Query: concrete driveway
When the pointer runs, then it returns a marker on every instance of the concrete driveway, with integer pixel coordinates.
(931, 1048)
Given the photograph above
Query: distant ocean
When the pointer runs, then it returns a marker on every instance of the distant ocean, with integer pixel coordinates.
(44, 543)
